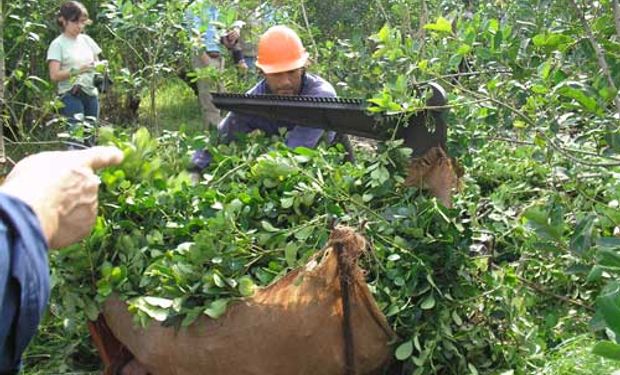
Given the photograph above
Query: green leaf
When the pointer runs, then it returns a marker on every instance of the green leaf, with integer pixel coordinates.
(607, 349)
(158, 301)
(609, 306)
(217, 308)
(609, 243)
(91, 310)
(428, 303)
(218, 281)
(582, 237)
(579, 92)
(464, 49)
(153, 311)
(608, 259)
(442, 25)
(544, 223)
(551, 41)
(290, 254)
(404, 350)
(595, 274)
(380, 174)
(246, 286)
(544, 70)
(268, 227)
(287, 202)
(304, 233)
(367, 197)
(493, 26)
(191, 316)
(456, 318)
(104, 288)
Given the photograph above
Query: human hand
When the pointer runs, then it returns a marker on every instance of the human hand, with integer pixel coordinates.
(61, 188)
(86, 67)
(243, 66)
(231, 38)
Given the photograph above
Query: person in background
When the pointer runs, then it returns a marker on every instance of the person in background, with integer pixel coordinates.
(71, 58)
(201, 16)
(49, 200)
(282, 61)
(258, 19)
(233, 42)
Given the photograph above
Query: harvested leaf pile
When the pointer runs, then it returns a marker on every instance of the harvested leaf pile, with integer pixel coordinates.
(176, 252)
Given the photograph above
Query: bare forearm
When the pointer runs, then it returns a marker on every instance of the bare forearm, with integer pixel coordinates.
(61, 75)
(58, 75)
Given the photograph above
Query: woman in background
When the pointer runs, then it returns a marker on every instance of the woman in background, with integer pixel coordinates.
(72, 57)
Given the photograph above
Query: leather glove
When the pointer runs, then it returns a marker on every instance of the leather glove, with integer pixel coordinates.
(61, 188)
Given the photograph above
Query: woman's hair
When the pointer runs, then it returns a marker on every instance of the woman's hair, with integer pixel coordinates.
(71, 11)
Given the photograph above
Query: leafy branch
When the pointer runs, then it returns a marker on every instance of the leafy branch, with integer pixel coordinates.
(600, 55)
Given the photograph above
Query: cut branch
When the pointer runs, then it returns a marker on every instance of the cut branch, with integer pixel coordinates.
(600, 55)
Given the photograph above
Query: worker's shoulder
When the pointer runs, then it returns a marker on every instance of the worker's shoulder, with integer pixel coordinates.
(315, 85)
(259, 89)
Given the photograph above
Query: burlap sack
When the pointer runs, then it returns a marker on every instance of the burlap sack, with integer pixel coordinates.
(294, 326)
(437, 172)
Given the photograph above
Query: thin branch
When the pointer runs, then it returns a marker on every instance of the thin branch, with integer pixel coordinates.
(131, 47)
(525, 117)
(510, 140)
(576, 159)
(34, 142)
(572, 150)
(423, 19)
(600, 55)
(406, 22)
(303, 11)
(616, 7)
(589, 153)
(540, 289)
(467, 74)
(531, 122)
(383, 12)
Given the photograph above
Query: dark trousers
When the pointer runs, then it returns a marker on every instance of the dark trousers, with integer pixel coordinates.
(80, 108)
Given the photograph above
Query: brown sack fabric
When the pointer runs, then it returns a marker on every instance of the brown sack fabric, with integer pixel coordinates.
(437, 172)
(294, 326)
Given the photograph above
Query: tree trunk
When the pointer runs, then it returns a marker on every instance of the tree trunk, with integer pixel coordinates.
(617, 18)
(2, 102)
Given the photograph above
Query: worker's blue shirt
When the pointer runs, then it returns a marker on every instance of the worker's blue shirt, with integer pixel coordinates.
(312, 85)
(201, 17)
(24, 280)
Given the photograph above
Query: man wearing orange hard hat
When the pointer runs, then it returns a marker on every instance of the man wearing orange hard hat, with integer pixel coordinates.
(282, 60)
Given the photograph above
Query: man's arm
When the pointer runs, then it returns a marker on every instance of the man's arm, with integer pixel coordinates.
(304, 136)
(24, 279)
(48, 198)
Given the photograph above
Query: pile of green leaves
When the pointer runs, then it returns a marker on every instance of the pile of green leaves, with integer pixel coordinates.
(176, 251)
(466, 289)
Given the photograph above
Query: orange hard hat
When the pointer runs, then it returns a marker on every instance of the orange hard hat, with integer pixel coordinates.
(280, 50)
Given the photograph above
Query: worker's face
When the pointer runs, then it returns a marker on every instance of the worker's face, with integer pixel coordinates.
(285, 83)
